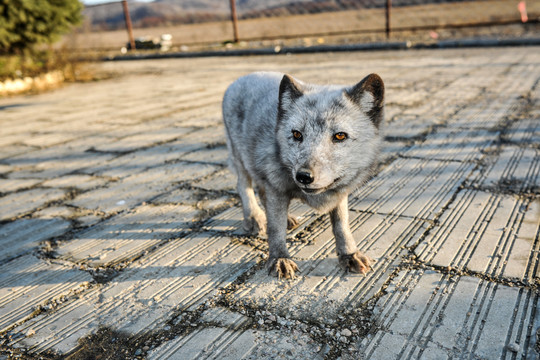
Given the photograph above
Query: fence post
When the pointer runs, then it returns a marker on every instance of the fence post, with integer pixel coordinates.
(388, 17)
(129, 28)
(234, 20)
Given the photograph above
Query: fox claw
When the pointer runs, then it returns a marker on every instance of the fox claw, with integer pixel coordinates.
(282, 267)
(356, 263)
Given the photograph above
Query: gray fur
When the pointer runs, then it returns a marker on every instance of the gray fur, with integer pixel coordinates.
(261, 111)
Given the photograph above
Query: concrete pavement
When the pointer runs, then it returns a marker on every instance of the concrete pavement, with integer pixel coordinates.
(120, 226)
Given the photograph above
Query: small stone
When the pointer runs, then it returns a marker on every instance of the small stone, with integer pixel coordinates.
(346, 332)
(514, 347)
(326, 349)
(138, 352)
(289, 353)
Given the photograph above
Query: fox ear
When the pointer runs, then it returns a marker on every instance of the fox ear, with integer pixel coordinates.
(368, 94)
(289, 91)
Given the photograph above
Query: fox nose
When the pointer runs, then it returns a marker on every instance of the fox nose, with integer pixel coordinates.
(304, 177)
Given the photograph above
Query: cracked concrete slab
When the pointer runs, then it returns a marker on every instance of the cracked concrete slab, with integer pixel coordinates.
(220, 181)
(412, 187)
(11, 185)
(5, 169)
(452, 144)
(76, 216)
(199, 198)
(24, 235)
(490, 234)
(79, 181)
(429, 315)
(30, 285)
(525, 131)
(216, 155)
(52, 162)
(513, 169)
(121, 231)
(125, 165)
(487, 113)
(129, 235)
(445, 100)
(21, 203)
(141, 187)
(179, 276)
(145, 139)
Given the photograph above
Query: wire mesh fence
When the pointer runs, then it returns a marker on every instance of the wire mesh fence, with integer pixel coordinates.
(192, 23)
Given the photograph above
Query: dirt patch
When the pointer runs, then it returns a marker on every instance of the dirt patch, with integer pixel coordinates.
(106, 344)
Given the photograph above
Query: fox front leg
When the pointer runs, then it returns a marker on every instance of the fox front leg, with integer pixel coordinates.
(350, 257)
(279, 262)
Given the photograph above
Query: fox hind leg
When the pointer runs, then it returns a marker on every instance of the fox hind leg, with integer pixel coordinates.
(254, 218)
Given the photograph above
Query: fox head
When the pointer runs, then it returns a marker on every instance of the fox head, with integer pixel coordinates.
(328, 136)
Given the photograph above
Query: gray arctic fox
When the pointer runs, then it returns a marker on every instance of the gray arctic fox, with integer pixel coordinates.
(289, 139)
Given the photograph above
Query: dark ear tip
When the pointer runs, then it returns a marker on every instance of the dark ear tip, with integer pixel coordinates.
(287, 81)
(375, 82)
(375, 77)
(372, 84)
(289, 85)
(287, 77)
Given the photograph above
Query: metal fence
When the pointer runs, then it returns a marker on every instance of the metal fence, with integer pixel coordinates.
(214, 22)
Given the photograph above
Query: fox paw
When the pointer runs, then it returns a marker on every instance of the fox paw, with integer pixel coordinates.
(292, 222)
(255, 224)
(282, 268)
(356, 263)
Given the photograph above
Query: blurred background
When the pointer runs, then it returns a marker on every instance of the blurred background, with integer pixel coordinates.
(39, 36)
(196, 23)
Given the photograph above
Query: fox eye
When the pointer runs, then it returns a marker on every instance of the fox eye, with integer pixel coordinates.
(340, 136)
(297, 135)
